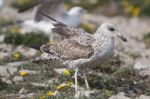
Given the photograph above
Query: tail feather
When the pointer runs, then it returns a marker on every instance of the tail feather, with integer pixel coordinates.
(49, 59)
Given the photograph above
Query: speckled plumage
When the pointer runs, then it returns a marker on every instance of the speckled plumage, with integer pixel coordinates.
(81, 49)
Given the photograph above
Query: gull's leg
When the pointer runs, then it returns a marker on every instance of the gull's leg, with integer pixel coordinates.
(85, 72)
(52, 37)
(76, 79)
(86, 81)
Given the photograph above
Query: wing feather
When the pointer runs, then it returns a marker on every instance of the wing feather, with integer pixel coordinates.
(67, 31)
(69, 50)
(49, 7)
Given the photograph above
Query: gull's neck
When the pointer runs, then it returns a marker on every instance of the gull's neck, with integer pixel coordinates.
(103, 39)
(101, 34)
(103, 44)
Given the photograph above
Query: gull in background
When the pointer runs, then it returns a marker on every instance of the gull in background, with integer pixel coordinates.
(81, 50)
(53, 8)
(1, 4)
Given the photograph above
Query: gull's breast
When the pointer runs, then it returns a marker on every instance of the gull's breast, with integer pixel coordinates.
(105, 51)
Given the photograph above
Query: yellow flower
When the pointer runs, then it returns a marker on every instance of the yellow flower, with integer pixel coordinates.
(51, 42)
(129, 9)
(64, 85)
(69, 83)
(136, 11)
(23, 73)
(59, 87)
(16, 55)
(67, 72)
(43, 97)
(50, 93)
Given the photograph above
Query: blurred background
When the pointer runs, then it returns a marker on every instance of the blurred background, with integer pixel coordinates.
(127, 75)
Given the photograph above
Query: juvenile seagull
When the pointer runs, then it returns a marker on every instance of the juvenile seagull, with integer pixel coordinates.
(54, 8)
(82, 50)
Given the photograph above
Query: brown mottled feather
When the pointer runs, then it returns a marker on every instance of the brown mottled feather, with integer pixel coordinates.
(66, 31)
(68, 50)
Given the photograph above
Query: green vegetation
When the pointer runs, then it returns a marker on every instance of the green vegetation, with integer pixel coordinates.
(146, 39)
(33, 40)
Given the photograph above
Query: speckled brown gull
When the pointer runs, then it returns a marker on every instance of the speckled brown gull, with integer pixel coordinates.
(81, 49)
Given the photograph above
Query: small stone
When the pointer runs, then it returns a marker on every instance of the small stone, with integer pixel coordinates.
(60, 70)
(27, 96)
(6, 71)
(2, 38)
(83, 92)
(143, 97)
(28, 52)
(39, 84)
(143, 66)
(18, 79)
(120, 95)
(23, 91)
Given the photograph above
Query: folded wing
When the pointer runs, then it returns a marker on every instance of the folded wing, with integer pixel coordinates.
(69, 49)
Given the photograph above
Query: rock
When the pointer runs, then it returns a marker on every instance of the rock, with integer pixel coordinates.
(18, 79)
(23, 91)
(120, 95)
(17, 64)
(6, 71)
(39, 84)
(3, 55)
(85, 93)
(28, 52)
(52, 80)
(143, 66)
(5, 50)
(2, 38)
(6, 80)
(60, 70)
(143, 97)
(27, 96)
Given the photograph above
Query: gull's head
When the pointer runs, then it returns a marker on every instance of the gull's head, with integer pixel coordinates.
(77, 11)
(110, 30)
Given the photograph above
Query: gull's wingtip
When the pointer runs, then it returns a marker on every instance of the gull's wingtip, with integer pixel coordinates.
(47, 16)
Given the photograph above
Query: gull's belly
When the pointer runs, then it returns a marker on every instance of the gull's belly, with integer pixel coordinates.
(104, 52)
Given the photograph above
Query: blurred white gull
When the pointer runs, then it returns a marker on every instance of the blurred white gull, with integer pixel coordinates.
(55, 9)
(1, 4)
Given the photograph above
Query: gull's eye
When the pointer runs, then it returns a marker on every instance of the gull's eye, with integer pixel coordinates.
(111, 29)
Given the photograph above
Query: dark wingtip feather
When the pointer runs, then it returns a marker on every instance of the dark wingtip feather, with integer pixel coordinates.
(48, 16)
(57, 22)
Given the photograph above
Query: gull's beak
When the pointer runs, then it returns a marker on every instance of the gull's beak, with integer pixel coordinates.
(122, 37)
